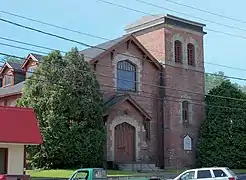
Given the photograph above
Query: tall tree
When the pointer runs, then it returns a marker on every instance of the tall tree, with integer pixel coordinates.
(223, 133)
(68, 104)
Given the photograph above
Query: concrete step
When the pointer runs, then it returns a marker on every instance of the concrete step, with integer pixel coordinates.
(139, 167)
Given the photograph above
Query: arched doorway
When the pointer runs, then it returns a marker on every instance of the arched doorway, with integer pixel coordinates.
(124, 143)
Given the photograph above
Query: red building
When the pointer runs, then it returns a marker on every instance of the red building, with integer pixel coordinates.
(148, 78)
(18, 128)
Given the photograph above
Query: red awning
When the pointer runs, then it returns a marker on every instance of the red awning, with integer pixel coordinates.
(19, 125)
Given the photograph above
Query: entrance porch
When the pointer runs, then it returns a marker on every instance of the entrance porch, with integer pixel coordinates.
(128, 129)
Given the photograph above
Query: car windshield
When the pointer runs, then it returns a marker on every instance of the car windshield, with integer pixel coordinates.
(81, 175)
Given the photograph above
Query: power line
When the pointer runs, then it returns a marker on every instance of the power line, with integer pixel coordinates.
(46, 33)
(53, 25)
(142, 83)
(143, 96)
(161, 7)
(208, 12)
(128, 8)
(127, 55)
(103, 38)
(52, 49)
(30, 44)
(18, 47)
(106, 65)
(45, 53)
(112, 77)
(158, 86)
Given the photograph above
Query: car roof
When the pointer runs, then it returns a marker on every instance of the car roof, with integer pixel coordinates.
(89, 169)
(206, 168)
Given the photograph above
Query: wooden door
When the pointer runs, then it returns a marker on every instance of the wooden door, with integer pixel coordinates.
(124, 143)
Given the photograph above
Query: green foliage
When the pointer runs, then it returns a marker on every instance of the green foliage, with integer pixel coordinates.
(223, 134)
(68, 104)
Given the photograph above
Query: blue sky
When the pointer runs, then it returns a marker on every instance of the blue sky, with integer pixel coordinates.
(108, 21)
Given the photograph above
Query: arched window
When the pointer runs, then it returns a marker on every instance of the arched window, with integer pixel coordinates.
(191, 54)
(185, 112)
(126, 76)
(178, 51)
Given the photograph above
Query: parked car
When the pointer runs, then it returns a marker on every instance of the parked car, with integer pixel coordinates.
(89, 174)
(212, 173)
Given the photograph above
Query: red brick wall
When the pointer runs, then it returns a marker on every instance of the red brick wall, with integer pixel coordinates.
(149, 89)
(182, 77)
(154, 40)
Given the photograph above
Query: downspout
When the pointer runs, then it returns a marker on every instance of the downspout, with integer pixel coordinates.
(162, 96)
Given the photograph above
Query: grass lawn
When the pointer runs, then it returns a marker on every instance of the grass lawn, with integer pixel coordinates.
(239, 170)
(67, 173)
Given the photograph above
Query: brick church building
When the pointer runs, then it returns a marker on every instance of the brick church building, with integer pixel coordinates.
(152, 79)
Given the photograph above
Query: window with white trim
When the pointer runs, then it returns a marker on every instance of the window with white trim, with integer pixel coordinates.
(8, 80)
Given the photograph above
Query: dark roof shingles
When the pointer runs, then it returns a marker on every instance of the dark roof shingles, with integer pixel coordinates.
(110, 102)
(12, 90)
(38, 56)
(93, 52)
(15, 66)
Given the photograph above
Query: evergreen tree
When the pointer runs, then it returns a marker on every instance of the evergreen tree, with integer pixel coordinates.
(68, 104)
(223, 134)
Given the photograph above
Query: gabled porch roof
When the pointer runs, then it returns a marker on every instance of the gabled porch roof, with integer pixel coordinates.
(118, 98)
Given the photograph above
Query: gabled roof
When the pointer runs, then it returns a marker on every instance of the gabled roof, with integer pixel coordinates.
(19, 125)
(34, 57)
(118, 98)
(93, 53)
(15, 66)
(38, 57)
(12, 65)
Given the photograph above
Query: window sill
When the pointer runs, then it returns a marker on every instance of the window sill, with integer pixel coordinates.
(127, 92)
(7, 85)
